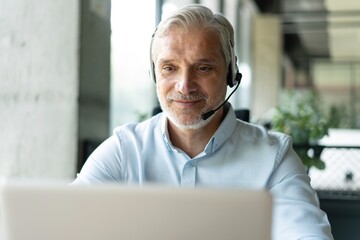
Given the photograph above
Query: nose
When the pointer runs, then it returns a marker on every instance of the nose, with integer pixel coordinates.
(186, 82)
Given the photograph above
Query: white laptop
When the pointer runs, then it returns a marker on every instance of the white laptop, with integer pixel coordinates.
(114, 212)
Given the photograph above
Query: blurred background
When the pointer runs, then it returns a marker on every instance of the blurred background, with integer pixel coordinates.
(71, 71)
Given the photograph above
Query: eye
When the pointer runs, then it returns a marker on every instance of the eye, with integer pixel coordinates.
(205, 68)
(166, 69)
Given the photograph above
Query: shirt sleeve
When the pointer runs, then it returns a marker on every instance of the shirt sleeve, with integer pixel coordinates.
(296, 212)
(103, 165)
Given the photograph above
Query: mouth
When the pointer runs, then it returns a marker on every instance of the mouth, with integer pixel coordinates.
(187, 103)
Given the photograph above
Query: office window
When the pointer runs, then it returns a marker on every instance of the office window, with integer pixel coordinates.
(132, 92)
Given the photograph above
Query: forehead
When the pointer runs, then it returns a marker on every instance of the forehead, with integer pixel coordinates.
(199, 42)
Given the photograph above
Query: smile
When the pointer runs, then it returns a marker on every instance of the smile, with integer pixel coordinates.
(186, 103)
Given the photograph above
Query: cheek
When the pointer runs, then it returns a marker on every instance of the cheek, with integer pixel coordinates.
(218, 88)
(162, 89)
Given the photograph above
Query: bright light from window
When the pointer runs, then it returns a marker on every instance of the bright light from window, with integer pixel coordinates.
(132, 92)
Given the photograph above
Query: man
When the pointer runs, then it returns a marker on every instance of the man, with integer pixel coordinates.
(197, 140)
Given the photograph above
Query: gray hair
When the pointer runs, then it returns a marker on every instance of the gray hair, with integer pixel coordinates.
(199, 16)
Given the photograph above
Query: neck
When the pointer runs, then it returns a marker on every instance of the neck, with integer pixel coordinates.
(193, 141)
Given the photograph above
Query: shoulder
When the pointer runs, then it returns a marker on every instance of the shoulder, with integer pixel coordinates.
(134, 127)
(254, 132)
(258, 137)
(140, 128)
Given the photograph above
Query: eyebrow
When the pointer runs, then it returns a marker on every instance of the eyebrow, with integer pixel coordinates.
(200, 60)
(207, 60)
(164, 60)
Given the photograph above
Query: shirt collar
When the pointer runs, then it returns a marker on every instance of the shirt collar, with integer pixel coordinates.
(164, 131)
(224, 131)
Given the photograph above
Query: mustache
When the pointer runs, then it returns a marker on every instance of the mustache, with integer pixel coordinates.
(187, 97)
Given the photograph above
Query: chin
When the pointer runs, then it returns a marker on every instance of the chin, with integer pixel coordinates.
(195, 123)
(193, 126)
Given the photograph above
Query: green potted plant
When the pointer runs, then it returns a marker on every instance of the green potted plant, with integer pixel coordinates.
(301, 117)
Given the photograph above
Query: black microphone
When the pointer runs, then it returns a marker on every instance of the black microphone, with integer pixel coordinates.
(211, 112)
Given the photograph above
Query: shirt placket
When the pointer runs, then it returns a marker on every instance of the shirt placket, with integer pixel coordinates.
(188, 176)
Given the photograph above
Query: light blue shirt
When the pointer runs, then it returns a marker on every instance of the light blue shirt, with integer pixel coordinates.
(238, 155)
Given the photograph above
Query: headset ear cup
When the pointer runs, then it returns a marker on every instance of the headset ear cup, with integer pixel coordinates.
(230, 77)
(152, 71)
(152, 65)
(233, 68)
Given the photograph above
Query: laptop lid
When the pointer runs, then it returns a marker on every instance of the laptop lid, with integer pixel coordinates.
(113, 212)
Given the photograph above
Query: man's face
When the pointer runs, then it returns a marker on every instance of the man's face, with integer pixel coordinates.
(191, 75)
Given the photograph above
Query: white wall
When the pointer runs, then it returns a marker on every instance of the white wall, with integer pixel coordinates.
(38, 88)
(267, 52)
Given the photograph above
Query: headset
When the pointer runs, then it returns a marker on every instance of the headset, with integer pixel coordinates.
(233, 76)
